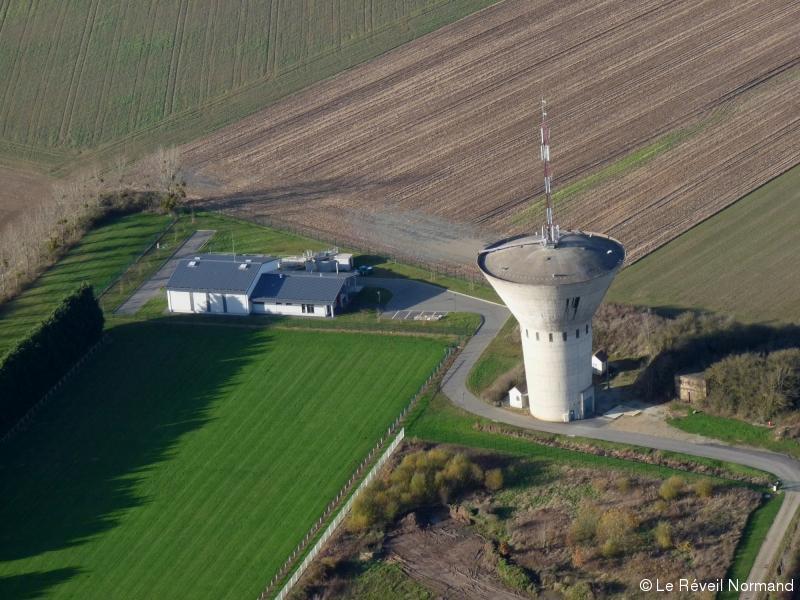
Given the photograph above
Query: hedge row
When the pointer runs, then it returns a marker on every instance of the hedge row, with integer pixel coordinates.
(38, 361)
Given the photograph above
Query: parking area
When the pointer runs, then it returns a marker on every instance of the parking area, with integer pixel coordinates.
(418, 315)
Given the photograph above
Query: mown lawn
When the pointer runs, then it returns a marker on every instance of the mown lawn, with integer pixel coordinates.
(103, 254)
(187, 461)
(742, 261)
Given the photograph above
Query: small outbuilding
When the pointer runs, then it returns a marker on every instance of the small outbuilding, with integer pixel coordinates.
(599, 362)
(518, 396)
(691, 387)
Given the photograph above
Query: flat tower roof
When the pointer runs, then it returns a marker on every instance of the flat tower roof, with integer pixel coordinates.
(577, 257)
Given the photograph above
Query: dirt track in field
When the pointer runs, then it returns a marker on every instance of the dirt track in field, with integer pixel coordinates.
(443, 130)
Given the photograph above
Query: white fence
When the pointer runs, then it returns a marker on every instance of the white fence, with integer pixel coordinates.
(338, 519)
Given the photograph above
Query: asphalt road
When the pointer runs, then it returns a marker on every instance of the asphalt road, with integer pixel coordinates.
(151, 287)
(414, 295)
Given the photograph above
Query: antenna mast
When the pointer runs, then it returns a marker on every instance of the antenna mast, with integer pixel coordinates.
(550, 233)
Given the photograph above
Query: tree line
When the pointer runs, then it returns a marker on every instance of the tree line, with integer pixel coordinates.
(39, 237)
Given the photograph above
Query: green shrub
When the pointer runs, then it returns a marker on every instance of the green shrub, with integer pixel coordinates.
(704, 488)
(671, 488)
(615, 532)
(421, 479)
(514, 576)
(584, 526)
(580, 591)
(493, 479)
(662, 534)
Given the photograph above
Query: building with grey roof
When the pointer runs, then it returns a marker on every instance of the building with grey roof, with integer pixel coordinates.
(254, 284)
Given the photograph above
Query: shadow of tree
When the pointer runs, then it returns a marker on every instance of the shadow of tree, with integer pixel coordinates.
(73, 474)
(35, 584)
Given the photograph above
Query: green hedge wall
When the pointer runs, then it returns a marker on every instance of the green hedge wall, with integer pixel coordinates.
(38, 361)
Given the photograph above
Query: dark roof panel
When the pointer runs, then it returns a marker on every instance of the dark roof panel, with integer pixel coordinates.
(217, 273)
(297, 287)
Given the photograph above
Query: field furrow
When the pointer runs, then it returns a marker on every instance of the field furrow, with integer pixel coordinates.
(444, 128)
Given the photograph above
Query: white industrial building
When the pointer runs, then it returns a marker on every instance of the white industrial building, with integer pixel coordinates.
(254, 284)
(553, 283)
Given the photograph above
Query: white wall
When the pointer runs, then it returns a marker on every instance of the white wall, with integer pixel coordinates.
(295, 310)
(179, 302)
(200, 302)
(557, 372)
(215, 303)
(237, 304)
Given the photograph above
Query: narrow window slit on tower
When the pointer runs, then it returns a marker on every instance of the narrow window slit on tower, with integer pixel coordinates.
(564, 336)
(551, 337)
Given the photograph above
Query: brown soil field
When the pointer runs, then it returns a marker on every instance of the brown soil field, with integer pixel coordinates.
(20, 191)
(444, 129)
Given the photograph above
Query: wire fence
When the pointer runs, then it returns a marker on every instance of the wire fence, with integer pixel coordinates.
(334, 524)
(395, 427)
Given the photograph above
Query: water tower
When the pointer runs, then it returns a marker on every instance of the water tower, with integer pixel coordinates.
(553, 283)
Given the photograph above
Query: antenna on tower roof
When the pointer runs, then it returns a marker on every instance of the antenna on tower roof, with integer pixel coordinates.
(550, 230)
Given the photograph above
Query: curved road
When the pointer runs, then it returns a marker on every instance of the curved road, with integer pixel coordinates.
(415, 295)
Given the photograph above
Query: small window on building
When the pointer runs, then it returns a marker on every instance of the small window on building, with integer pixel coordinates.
(526, 333)
(564, 336)
(587, 329)
(537, 336)
(577, 333)
(551, 336)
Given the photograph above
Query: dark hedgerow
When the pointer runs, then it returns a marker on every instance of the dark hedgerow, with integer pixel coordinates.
(38, 361)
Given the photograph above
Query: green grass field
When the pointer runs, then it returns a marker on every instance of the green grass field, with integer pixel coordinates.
(735, 431)
(86, 74)
(742, 261)
(187, 461)
(102, 255)
(502, 354)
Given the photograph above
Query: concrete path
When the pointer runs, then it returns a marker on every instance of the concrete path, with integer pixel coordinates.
(413, 295)
(150, 288)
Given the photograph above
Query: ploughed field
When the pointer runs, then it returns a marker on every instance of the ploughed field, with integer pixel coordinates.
(187, 461)
(662, 114)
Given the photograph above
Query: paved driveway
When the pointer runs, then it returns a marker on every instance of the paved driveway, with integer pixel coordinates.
(150, 288)
(414, 295)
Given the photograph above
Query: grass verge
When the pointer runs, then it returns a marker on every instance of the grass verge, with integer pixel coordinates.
(735, 431)
(755, 531)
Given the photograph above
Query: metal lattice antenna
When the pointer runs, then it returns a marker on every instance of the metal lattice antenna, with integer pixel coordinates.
(550, 232)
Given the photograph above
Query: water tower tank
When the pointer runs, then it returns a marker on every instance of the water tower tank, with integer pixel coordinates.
(553, 288)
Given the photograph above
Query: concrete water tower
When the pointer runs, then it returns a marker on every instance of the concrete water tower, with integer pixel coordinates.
(553, 283)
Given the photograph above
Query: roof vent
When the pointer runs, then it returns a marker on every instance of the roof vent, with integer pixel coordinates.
(248, 260)
(192, 263)
(243, 266)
